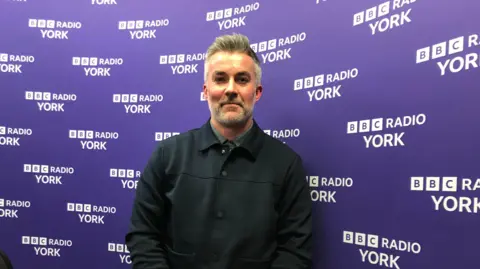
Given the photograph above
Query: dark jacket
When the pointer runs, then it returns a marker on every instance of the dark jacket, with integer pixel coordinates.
(199, 205)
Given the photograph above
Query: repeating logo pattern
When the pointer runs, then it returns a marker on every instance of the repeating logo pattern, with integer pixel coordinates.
(232, 17)
(142, 29)
(377, 98)
(95, 66)
(50, 102)
(380, 18)
(54, 29)
(11, 63)
(381, 251)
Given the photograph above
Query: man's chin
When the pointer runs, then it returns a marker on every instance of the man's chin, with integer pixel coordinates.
(232, 119)
(231, 116)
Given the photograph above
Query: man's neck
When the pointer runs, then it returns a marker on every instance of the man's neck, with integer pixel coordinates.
(231, 133)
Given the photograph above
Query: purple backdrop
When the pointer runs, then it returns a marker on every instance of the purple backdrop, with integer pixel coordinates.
(379, 97)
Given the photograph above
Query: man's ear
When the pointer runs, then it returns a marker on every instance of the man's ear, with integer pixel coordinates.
(259, 91)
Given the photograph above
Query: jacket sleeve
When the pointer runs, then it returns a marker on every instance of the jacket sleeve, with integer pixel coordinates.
(146, 236)
(294, 236)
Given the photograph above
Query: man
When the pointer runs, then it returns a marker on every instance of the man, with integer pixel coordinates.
(224, 195)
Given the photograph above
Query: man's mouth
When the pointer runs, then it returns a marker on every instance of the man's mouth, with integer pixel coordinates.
(236, 104)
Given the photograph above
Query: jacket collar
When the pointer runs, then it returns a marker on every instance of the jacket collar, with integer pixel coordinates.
(252, 142)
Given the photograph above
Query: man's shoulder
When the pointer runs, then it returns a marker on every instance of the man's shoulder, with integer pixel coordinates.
(281, 150)
(169, 149)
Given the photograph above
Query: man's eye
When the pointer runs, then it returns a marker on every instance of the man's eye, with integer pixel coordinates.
(243, 80)
(219, 79)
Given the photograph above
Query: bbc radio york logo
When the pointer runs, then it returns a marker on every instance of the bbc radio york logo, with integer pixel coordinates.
(50, 102)
(9, 208)
(381, 251)
(142, 29)
(315, 84)
(95, 66)
(320, 187)
(376, 125)
(48, 174)
(11, 63)
(128, 177)
(122, 250)
(93, 140)
(46, 247)
(377, 16)
(160, 136)
(137, 103)
(10, 136)
(450, 49)
(232, 17)
(442, 190)
(277, 49)
(282, 134)
(91, 214)
(51, 29)
(182, 64)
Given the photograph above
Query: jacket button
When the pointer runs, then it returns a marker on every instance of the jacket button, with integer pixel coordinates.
(224, 173)
(220, 214)
(215, 257)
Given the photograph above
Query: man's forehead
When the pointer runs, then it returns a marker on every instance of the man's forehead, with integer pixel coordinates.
(231, 62)
(230, 58)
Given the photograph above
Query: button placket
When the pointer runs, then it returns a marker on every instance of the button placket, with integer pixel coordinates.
(224, 152)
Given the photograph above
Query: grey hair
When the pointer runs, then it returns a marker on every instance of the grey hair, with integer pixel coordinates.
(233, 43)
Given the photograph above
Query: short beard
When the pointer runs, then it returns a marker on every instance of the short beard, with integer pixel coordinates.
(232, 122)
(236, 122)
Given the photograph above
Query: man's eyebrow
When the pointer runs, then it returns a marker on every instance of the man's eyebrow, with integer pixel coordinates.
(242, 73)
(219, 73)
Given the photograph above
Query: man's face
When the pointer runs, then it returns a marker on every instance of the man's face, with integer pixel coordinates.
(231, 89)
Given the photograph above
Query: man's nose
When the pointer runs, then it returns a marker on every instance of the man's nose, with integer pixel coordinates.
(231, 86)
